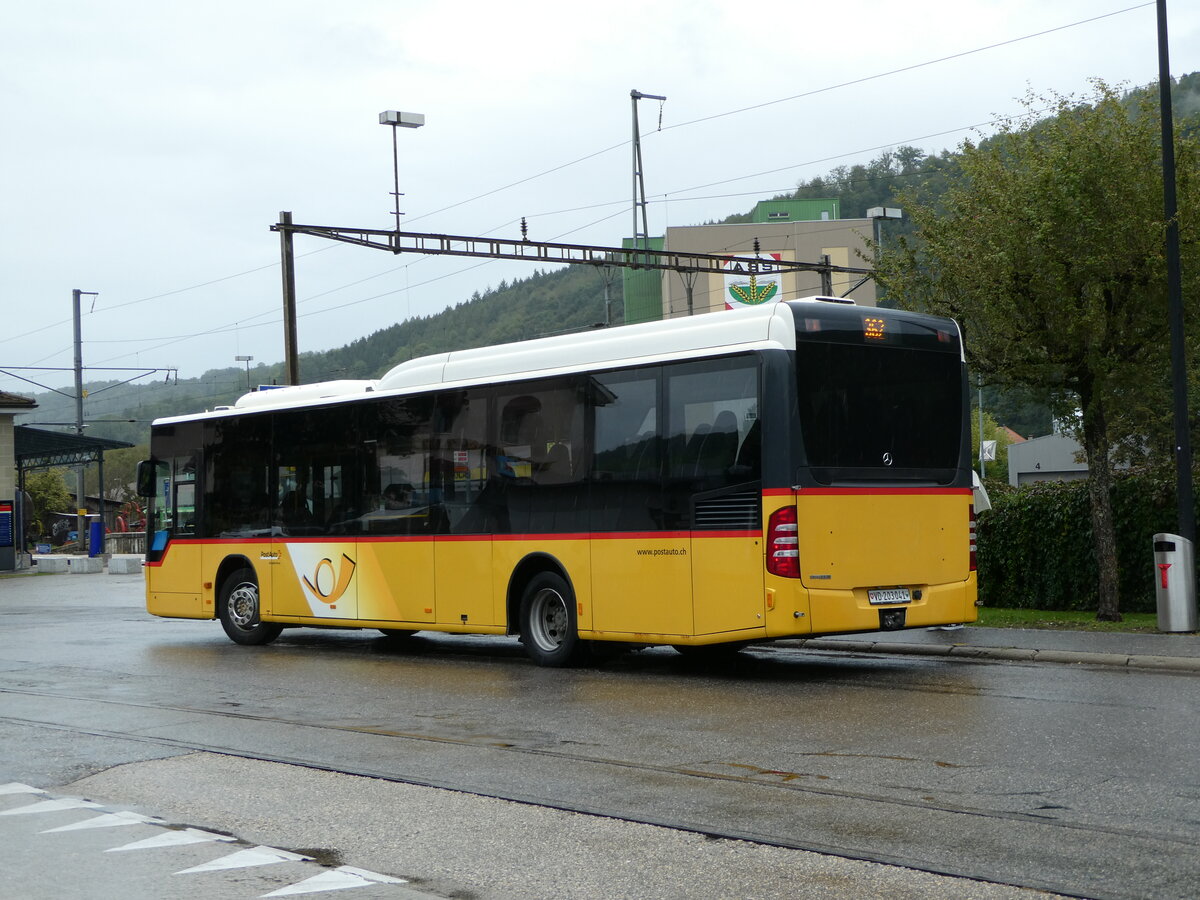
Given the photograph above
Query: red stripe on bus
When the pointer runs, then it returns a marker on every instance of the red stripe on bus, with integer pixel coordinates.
(859, 491)
(382, 538)
(458, 538)
(884, 491)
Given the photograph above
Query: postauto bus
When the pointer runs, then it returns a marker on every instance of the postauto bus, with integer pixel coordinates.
(795, 469)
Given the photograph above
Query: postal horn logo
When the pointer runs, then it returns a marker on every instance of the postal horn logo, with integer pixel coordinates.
(327, 583)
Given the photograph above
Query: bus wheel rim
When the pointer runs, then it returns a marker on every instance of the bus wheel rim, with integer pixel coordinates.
(243, 605)
(549, 620)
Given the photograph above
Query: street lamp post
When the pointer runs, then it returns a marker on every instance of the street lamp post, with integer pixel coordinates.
(876, 214)
(398, 119)
(247, 360)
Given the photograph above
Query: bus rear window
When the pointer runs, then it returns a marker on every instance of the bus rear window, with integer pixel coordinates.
(879, 413)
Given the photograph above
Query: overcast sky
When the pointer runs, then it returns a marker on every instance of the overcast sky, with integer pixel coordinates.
(148, 146)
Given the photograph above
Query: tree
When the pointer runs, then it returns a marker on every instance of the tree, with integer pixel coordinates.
(1020, 409)
(48, 489)
(120, 473)
(1048, 248)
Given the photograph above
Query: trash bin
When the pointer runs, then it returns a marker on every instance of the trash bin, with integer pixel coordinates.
(95, 538)
(1175, 582)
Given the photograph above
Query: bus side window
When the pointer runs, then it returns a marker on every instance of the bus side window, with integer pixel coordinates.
(626, 474)
(539, 442)
(712, 430)
(236, 500)
(461, 470)
(185, 508)
(316, 482)
(406, 485)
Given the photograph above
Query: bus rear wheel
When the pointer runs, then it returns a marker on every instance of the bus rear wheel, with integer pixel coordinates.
(238, 610)
(548, 625)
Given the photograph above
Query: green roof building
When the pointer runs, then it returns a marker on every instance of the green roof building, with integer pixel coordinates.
(796, 210)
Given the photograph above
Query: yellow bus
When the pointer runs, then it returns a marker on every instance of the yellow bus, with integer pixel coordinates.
(789, 470)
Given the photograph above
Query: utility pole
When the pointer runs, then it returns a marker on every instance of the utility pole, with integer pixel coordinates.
(826, 275)
(1183, 439)
(609, 273)
(247, 360)
(80, 492)
(689, 287)
(641, 232)
(982, 461)
(287, 257)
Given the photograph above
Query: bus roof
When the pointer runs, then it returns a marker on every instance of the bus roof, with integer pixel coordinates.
(704, 335)
(711, 334)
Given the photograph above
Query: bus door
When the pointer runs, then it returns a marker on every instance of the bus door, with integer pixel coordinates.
(714, 488)
(471, 502)
(314, 552)
(641, 565)
(400, 513)
(173, 586)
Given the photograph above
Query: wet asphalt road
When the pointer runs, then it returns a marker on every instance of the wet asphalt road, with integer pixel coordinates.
(1080, 779)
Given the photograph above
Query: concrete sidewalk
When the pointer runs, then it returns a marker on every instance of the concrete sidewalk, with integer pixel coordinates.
(1180, 652)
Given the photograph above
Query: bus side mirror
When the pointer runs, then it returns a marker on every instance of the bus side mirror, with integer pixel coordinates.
(146, 478)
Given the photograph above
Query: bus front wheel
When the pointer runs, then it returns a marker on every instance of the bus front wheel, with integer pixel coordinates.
(239, 612)
(548, 625)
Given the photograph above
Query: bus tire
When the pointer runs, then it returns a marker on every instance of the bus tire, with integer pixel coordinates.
(238, 609)
(548, 625)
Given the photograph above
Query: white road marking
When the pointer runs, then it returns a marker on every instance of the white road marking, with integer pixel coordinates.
(256, 856)
(173, 839)
(45, 806)
(108, 820)
(15, 787)
(339, 879)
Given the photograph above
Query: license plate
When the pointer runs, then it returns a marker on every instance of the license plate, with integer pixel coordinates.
(889, 595)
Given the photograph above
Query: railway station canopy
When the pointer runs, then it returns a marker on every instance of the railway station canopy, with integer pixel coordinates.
(36, 448)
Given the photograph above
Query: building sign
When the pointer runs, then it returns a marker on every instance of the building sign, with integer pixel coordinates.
(753, 280)
(6, 523)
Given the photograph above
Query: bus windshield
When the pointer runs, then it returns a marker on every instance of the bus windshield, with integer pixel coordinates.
(879, 414)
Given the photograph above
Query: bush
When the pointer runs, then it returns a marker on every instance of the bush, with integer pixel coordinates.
(1035, 543)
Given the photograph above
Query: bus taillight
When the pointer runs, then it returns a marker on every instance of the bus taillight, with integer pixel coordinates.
(971, 527)
(783, 543)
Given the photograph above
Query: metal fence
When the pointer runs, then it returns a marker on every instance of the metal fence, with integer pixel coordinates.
(118, 542)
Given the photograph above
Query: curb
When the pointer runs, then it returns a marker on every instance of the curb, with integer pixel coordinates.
(1008, 654)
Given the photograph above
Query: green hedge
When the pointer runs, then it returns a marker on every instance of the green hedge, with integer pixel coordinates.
(1035, 543)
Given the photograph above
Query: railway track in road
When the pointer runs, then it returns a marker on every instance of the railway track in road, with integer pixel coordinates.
(275, 739)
